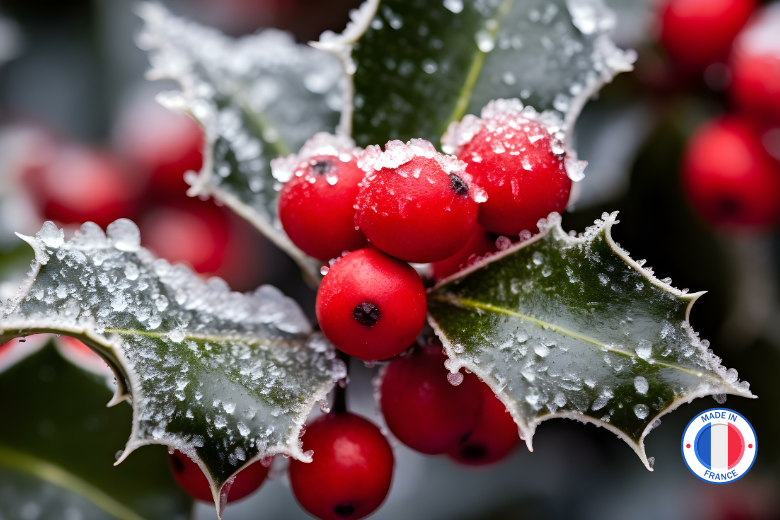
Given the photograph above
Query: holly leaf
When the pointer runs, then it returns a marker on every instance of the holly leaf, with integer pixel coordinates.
(424, 64)
(58, 460)
(227, 378)
(565, 326)
(257, 98)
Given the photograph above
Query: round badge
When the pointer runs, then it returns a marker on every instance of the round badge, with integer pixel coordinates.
(719, 446)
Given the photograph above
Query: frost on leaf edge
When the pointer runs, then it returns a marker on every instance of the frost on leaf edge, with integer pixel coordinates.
(526, 430)
(127, 380)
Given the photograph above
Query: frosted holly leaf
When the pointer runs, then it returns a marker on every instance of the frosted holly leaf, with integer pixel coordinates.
(257, 97)
(424, 64)
(227, 378)
(57, 461)
(565, 326)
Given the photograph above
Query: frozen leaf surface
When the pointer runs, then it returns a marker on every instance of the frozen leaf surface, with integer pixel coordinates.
(563, 326)
(57, 462)
(425, 63)
(257, 98)
(228, 378)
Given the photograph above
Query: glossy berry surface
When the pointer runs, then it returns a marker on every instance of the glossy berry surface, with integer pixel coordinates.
(76, 185)
(370, 305)
(479, 243)
(316, 207)
(494, 436)
(755, 67)
(697, 33)
(417, 211)
(730, 178)
(521, 167)
(351, 471)
(191, 479)
(422, 408)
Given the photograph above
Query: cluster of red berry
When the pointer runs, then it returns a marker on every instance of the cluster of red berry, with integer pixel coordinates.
(142, 178)
(367, 213)
(731, 169)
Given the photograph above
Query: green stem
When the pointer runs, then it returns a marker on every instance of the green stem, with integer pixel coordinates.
(52, 474)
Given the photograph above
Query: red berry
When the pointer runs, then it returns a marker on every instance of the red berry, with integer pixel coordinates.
(479, 243)
(415, 204)
(697, 33)
(75, 185)
(755, 67)
(190, 231)
(422, 408)
(316, 206)
(371, 305)
(516, 159)
(191, 479)
(730, 178)
(351, 468)
(164, 143)
(493, 438)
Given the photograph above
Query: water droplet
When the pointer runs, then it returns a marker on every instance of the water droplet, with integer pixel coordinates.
(485, 41)
(641, 411)
(455, 379)
(124, 235)
(641, 385)
(455, 6)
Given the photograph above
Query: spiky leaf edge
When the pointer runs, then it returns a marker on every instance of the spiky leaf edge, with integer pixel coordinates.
(526, 429)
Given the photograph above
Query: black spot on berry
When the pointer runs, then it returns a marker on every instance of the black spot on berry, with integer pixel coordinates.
(322, 167)
(473, 452)
(460, 187)
(178, 466)
(367, 314)
(465, 438)
(729, 207)
(344, 510)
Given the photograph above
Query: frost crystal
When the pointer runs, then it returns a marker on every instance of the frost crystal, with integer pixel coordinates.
(509, 115)
(322, 143)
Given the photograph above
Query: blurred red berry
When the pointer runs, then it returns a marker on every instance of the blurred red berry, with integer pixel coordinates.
(755, 66)
(191, 479)
(730, 178)
(494, 436)
(72, 185)
(163, 143)
(421, 210)
(422, 408)
(350, 472)
(190, 231)
(316, 206)
(479, 243)
(371, 305)
(697, 33)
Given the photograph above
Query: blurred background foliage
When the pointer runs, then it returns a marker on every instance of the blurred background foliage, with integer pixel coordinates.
(79, 123)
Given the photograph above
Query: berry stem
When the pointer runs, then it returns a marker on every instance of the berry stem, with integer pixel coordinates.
(340, 400)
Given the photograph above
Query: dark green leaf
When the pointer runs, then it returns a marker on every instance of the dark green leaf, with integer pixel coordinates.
(227, 377)
(58, 447)
(563, 326)
(425, 63)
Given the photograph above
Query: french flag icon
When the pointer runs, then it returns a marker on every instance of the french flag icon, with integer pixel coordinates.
(719, 445)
